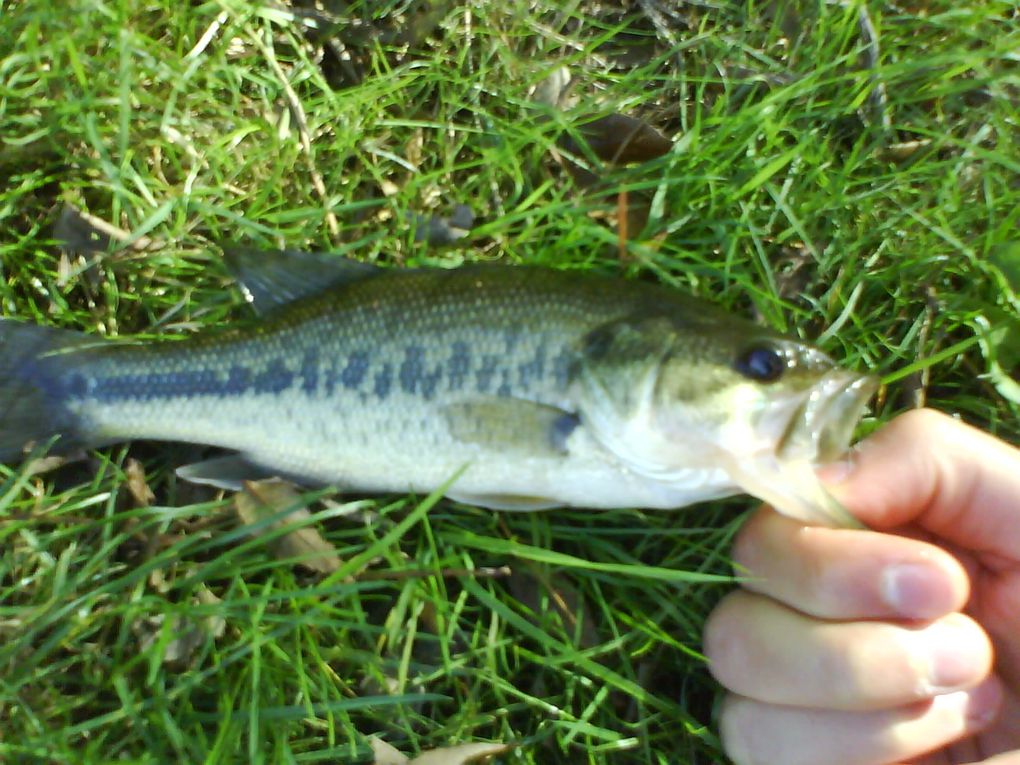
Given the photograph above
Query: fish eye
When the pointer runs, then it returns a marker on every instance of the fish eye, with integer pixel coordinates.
(762, 363)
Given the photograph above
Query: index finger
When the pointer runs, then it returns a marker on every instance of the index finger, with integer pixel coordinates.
(941, 474)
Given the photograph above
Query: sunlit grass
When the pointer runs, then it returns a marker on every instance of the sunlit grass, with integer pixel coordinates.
(794, 192)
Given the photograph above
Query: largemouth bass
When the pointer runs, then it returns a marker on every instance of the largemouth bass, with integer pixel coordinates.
(536, 388)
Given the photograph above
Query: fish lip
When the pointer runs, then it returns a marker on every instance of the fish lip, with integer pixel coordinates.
(824, 422)
(840, 414)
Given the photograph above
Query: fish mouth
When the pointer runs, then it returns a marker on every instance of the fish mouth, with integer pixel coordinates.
(822, 426)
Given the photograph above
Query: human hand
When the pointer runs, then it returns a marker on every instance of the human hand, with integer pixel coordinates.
(896, 645)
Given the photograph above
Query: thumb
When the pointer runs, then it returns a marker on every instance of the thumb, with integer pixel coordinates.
(1009, 758)
(928, 469)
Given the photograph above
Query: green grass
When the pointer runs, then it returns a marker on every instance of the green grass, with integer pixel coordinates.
(793, 192)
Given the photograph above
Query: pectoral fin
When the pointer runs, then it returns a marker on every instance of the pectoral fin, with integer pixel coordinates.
(511, 424)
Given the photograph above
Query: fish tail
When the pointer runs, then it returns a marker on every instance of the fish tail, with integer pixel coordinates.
(36, 364)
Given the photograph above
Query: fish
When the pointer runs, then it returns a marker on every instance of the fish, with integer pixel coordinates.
(514, 387)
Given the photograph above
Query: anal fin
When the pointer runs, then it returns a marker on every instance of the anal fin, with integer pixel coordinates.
(229, 472)
(512, 502)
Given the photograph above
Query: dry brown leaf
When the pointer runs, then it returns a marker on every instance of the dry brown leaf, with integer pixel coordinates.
(385, 754)
(188, 632)
(263, 499)
(137, 485)
(900, 152)
(188, 635)
(413, 147)
(552, 91)
(436, 230)
(41, 465)
(216, 625)
(462, 754)
(619, 139)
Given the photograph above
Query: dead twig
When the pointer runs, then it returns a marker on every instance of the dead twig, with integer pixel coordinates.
(83, 232)
(878, 97)
(207, 36)
(445, 573)
(660, 16)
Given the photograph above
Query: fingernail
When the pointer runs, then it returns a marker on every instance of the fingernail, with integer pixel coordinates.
(956, 657)
(916, 591)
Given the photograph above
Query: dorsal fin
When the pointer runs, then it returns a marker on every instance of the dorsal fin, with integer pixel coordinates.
(272, 278)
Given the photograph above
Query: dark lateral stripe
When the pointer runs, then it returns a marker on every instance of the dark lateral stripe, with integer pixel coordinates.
(310, 371)
(383, 381)
(415, 376)
(236, 380)
(421, 371)
(355, 370)
(459, 365)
